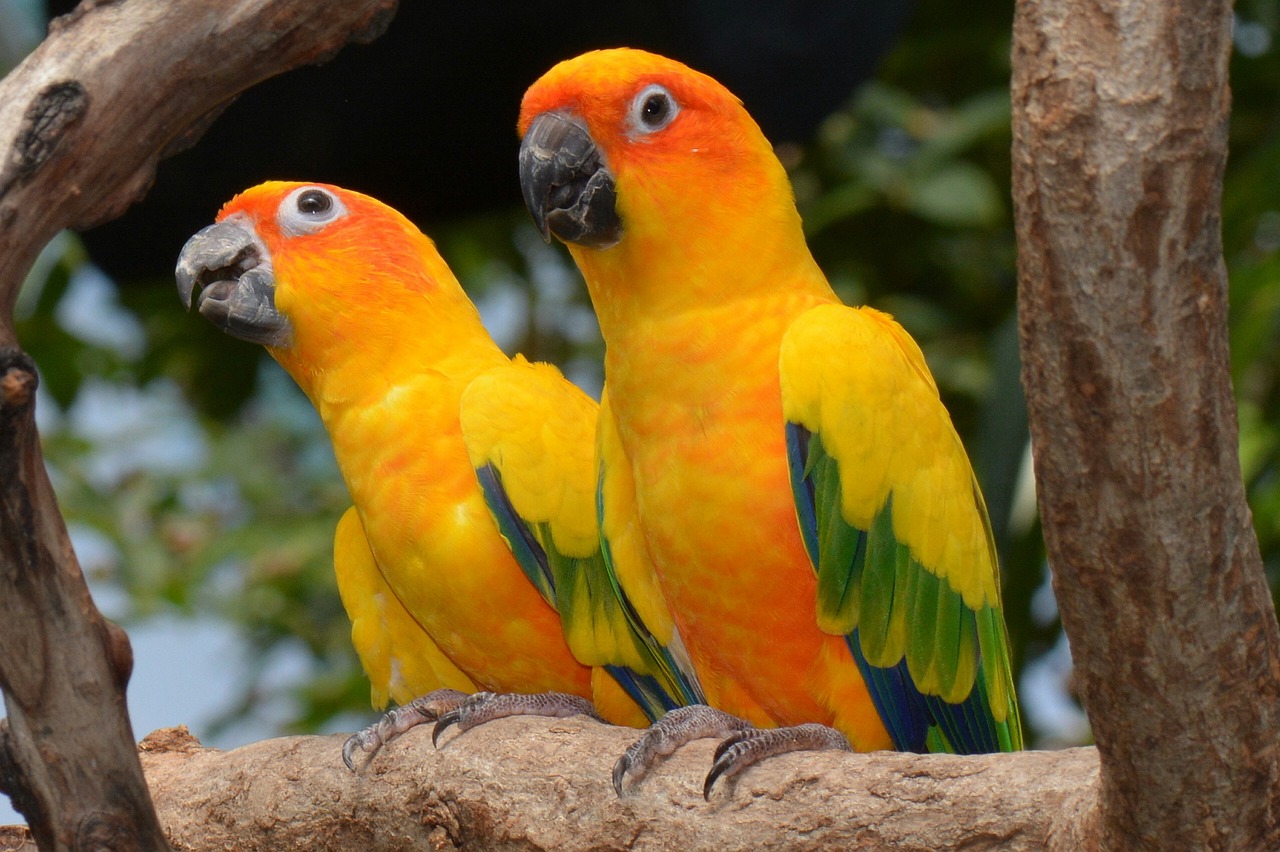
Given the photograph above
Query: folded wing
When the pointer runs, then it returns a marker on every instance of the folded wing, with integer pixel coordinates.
(531, 436)
(897, 532)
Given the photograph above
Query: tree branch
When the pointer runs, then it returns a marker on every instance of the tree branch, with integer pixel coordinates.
(66, 753)
(532, 783)
(1120, 140)
(118, 86)
(83, 121)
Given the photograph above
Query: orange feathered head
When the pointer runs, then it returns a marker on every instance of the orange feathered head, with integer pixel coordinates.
(318, 273)
(613, 137)
(663, 188)
(353, 238)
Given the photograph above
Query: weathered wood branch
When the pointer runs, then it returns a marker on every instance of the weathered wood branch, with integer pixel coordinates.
(118, 86)
(1120, 141)
(83, 121)
(543, 784)
(66, 749)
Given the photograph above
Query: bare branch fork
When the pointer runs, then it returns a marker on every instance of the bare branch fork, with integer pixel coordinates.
(1120, 111)
(83, 121)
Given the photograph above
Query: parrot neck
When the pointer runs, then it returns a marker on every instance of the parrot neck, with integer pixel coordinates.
(709, 258)
(360, 360)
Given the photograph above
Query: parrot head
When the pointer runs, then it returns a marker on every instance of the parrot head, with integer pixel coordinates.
(648, 169)
(312, 272)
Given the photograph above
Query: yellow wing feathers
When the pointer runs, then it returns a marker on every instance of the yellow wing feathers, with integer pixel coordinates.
(401, 660)
(854, 376)
(538, 430)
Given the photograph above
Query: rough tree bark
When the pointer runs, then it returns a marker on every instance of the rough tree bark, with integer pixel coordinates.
(1120, 140)
(83, 121)
(544, 784)
(1120, 111)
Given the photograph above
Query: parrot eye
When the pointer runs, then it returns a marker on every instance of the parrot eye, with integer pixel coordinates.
(307, 210)
(653, 109)
(314, 201)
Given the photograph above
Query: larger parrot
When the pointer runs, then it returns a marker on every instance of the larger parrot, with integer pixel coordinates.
(809, 510)
(470, 557)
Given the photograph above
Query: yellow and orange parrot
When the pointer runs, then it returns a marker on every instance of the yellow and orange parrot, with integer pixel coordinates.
(810, 512)
(470, 557)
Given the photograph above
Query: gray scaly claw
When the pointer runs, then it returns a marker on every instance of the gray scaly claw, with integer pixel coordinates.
(395, 722)
(746, 748)
(484, 707)
(679, 727)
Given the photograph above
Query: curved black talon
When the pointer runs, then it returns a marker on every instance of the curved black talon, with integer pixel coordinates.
(354, 742)
(716, 771)
(443, 723)
(620, 772)
(719, 763)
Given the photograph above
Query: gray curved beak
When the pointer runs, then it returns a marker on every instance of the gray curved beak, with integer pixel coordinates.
(232, 271)
(567, 186)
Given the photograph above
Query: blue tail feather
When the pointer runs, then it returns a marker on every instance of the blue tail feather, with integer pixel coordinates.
(644, 690)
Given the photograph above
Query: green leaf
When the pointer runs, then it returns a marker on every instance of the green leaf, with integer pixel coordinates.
(958, 195)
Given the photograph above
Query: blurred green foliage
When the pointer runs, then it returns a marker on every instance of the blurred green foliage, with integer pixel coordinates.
(1251, 244)
(905, 194)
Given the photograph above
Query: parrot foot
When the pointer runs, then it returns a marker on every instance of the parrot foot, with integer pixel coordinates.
(746, 748)
(679, 727)
(484, 707)
(426, 708)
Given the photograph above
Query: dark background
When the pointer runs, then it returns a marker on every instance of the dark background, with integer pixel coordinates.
(424, 117)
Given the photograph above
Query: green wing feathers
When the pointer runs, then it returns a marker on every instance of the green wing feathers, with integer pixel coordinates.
(897, 531)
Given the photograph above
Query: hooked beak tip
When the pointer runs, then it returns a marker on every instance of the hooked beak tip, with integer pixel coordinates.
(186, 285)
(567, 186)
(225, 264)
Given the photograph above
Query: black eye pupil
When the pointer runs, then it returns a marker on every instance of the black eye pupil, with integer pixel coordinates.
(314, 201)
(654, 109)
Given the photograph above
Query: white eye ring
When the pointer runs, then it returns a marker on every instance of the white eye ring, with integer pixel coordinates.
(308, 209)
(653, 109)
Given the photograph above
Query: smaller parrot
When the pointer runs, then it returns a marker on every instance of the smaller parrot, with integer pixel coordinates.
(801, 493)
(470, 558)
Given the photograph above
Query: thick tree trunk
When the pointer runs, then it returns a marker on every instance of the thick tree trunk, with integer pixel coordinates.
(1120, 140)
(83, 121)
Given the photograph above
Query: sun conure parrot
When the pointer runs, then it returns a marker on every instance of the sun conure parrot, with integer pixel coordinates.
(810, 512)
(470, 558)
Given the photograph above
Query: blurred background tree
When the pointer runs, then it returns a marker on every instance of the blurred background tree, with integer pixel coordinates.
(199, 485)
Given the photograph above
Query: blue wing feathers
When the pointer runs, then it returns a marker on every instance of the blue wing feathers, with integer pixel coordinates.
(530, 555)
(802, 487)
(645, 690)
(896, 699)
(882, 576)
(967, 725)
